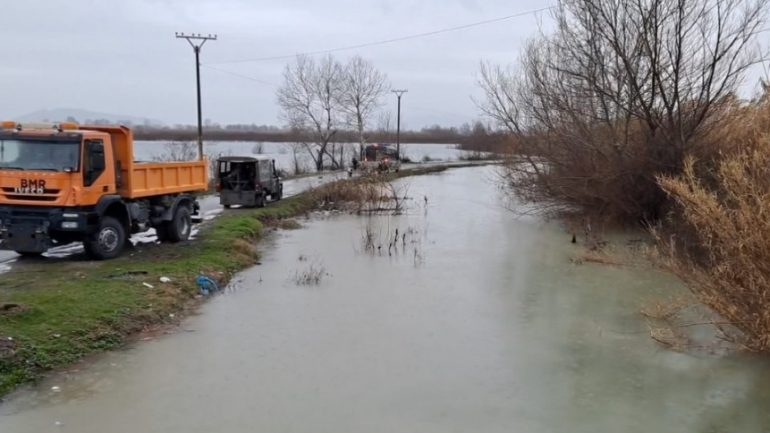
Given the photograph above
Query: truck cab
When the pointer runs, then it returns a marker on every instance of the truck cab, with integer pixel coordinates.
(64, 183)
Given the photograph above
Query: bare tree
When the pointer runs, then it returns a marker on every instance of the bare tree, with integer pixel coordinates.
(178, 151)
(384, 124)
(363, 89)
(620, 93)
(309, 98)
(501, 96)
(298, 167)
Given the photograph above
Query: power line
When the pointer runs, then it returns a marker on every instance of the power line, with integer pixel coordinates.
(257, 80)
(235, 74)
(392, 40)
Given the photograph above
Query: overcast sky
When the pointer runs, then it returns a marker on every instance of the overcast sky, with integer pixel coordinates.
(121, 56)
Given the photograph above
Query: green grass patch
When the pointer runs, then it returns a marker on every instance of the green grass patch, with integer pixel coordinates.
(69, 308)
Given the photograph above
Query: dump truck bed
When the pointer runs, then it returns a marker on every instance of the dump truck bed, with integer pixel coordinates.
(144, 179)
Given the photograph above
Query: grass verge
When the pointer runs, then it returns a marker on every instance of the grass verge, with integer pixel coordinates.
(59, 310)
(54, 312)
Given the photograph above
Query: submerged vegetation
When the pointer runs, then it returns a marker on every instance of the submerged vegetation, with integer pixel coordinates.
(366, 194)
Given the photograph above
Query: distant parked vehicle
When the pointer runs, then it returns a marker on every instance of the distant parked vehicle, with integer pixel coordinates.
(380, 157)
(247, 181)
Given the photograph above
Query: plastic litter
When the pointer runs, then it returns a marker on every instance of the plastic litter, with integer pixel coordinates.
(55, 388)
(165, 279)
(206, 285)
(148, 285)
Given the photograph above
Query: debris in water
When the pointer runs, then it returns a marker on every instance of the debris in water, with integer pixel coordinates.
(206, 285)
(58, 423)
(55, 388)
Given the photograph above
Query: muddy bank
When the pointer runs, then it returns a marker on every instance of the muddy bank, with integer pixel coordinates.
(478, 322)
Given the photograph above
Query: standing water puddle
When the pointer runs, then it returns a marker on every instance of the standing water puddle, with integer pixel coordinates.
(476, 322)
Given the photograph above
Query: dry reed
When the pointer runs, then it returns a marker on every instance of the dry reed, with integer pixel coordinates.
(723, 252)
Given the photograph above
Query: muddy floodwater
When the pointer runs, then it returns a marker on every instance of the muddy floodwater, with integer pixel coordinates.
(474, 322)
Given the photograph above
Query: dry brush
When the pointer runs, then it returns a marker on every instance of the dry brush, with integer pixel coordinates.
(724, 253)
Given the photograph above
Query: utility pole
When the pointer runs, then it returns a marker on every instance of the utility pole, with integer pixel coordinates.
(196, 41)
(399, 93)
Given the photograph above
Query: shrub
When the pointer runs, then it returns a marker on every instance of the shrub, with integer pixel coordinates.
(724, 254)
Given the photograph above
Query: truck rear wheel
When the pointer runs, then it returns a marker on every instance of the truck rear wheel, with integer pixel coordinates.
(179, 228)
(108, 241)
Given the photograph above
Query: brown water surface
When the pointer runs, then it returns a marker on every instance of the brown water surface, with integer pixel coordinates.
(477, 323)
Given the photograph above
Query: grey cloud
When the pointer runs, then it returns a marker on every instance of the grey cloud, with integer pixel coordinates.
(122, 57)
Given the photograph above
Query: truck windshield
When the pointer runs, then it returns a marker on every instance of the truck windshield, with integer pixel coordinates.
(53, 155)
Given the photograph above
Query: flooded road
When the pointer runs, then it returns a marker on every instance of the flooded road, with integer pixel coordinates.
(475, 322)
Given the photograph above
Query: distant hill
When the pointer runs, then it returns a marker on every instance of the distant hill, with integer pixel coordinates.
(85, 116)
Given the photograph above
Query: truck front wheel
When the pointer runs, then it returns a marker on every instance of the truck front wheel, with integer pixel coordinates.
(108, 241)
(179, 228)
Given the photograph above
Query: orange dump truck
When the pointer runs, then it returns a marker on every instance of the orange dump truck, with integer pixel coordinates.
(67, 183)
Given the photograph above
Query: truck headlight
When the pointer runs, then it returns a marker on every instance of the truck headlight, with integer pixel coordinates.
(69, 225)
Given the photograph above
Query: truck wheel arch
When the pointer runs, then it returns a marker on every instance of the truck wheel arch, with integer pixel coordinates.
(113, 205)
(183, 200)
